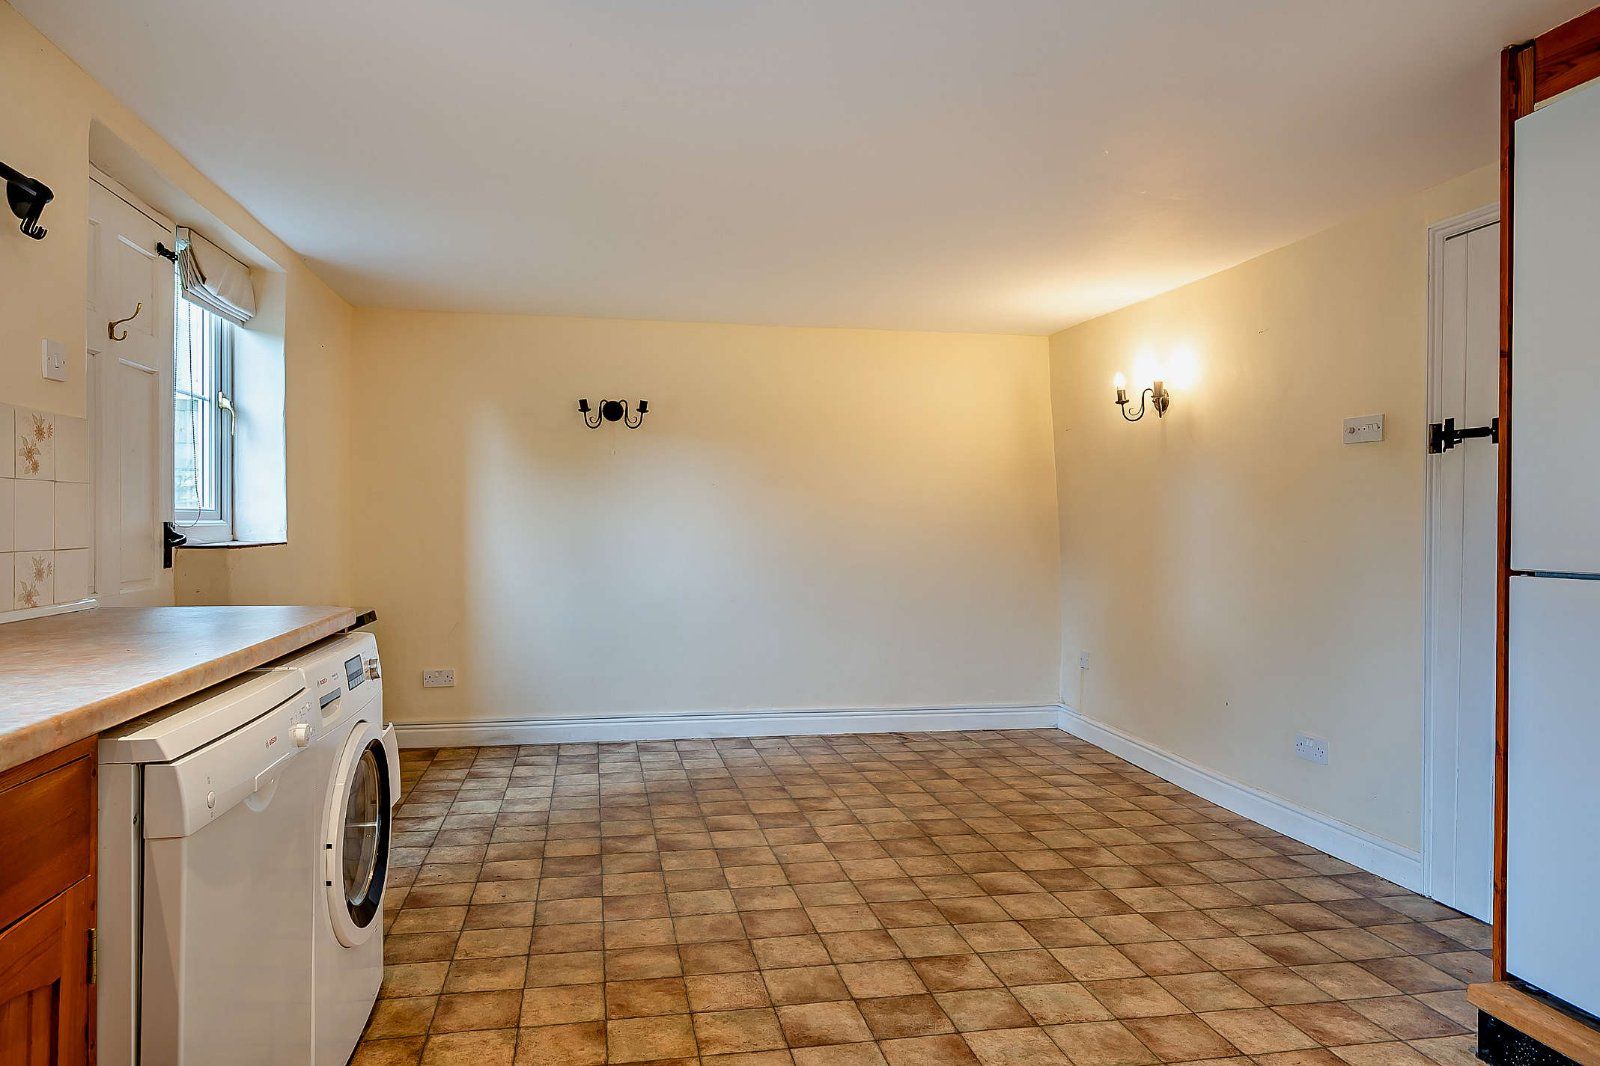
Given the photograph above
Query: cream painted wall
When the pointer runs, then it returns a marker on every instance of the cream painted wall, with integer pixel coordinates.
(1235, 571)
(44, 132)
(809, 518)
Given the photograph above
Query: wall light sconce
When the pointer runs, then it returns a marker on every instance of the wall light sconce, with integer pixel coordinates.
(1157, 395)
(613, 411)
(27, 197)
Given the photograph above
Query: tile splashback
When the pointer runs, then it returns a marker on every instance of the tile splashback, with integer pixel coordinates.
(46, 509)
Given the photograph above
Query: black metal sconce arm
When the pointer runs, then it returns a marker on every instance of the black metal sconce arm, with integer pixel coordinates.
(1157, 396)
(27, 197)
(613, 411)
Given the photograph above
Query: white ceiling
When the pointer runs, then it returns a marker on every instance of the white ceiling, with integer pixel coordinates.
(970, 165)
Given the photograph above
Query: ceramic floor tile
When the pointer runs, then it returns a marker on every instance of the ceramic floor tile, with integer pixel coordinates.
(892, 900)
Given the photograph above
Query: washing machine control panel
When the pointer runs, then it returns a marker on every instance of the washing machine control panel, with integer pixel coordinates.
(325, 679)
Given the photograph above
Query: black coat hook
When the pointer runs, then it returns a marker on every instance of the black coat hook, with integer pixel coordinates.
(27, 197)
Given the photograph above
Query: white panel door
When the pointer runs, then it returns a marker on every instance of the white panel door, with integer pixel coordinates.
(1555, 498)
(1462, 576)
(130, 398)
(1552, 849)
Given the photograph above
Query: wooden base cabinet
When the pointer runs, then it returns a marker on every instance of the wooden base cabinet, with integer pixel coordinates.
(47, 908)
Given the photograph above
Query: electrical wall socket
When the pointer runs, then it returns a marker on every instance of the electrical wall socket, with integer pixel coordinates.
(1083, 660)
(1311, 749)
(438, 678)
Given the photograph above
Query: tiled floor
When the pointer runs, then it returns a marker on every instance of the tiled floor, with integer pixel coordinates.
(999, 898)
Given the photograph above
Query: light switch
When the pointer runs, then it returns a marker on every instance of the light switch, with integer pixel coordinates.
(1363, 429)
(55, 360)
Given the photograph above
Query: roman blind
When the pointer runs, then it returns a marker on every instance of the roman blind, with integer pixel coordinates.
(213, 279)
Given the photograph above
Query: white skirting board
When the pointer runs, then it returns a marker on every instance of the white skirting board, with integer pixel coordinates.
(1339, 839)
(704, 726)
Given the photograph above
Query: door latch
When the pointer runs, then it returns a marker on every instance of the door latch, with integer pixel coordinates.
(1442, 436)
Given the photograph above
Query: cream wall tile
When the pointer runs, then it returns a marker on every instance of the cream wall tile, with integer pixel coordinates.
(35, 444)
(8, 510)
(72, 449)
(7, 585)
(72, 576)
(8, 454)
(33, 524)
(72, 515)
(34, 581)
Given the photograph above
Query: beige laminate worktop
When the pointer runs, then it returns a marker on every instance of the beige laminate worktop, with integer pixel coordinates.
(74, 675)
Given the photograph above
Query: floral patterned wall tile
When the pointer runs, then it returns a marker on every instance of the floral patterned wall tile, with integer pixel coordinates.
(34, 580)
(46, 512)
(36, 444)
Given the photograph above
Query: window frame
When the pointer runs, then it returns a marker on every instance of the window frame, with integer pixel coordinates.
(215, 524)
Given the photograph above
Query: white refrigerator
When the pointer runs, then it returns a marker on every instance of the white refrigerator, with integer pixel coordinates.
(1553, 741)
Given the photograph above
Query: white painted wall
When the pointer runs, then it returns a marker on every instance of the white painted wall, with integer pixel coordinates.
(1236, 572)
(807, 519)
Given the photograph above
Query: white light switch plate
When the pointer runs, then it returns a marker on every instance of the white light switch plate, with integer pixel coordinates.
(1363, 429)
(55, 360)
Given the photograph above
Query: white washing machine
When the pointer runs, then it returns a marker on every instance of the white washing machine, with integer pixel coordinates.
(205, 905)
(352, 768)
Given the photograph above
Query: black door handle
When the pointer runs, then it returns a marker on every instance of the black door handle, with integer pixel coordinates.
(1442, 436)
(170, 538)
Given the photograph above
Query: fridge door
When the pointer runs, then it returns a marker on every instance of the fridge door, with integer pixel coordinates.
(1553, 788)
(1555, 499)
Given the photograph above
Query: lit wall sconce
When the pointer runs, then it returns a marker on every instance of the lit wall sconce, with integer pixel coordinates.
(1157, 395)
(613, 411)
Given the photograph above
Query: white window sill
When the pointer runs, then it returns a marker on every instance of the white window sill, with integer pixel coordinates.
(207, 532)
(196, 545)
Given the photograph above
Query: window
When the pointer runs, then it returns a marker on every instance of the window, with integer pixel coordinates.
(202, 422)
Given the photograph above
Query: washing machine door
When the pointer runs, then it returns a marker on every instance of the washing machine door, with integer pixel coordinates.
(357, 830)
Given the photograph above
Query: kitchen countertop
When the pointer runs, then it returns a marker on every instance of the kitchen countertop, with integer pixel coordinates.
(72, 676)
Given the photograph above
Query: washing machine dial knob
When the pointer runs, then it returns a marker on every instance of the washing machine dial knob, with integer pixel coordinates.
(301, 734)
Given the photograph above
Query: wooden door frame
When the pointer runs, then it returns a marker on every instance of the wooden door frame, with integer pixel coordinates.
(1432, 754)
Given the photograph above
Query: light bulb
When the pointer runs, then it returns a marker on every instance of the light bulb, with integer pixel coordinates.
(1120, 381)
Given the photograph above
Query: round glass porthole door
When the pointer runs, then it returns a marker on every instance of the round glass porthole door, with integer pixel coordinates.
(358, 848)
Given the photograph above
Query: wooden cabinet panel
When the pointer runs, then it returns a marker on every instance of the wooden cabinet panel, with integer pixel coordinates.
(46, 997)
(46, 830)
(47, 906)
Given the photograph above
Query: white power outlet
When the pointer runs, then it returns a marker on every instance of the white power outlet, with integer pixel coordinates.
(1311, 749)
(438, 678)
(1083, 660)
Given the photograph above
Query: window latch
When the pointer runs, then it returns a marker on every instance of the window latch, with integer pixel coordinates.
(170, 539)
(226, 404)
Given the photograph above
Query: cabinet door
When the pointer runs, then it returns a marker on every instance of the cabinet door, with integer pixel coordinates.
(1555, 322)
(44, 983)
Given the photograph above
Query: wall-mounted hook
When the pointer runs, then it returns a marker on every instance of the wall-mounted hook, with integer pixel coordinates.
(111, 327)
(27, 197)
(612, 411)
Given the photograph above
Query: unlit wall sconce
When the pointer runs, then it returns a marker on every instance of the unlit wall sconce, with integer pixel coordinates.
(613, 411)
(1157, 394)
(27, 197)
